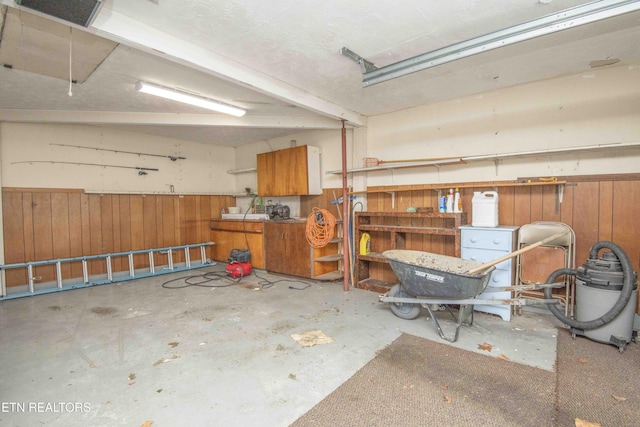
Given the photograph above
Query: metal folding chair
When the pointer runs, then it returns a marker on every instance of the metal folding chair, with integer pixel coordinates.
(535, 266)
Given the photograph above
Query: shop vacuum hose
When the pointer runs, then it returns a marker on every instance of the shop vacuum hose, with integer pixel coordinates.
(616, 309)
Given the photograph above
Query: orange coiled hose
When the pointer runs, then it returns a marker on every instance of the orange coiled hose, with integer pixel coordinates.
(320, 227)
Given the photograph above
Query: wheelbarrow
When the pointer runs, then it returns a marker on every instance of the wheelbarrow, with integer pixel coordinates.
(428, 280)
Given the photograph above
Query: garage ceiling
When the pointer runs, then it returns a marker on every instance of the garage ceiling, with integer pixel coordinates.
(279, 59)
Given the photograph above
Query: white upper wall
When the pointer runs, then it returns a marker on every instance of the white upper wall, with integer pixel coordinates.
(594, 108)
(203, 170)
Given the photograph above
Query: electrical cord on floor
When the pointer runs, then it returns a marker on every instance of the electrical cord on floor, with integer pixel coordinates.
(202, 280)
(266, 283)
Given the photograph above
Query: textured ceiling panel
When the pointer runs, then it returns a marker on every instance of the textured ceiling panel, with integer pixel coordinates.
(39, 45)
(78, 12)
(281, 60)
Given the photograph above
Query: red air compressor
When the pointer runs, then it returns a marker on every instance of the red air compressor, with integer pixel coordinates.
(238, 269)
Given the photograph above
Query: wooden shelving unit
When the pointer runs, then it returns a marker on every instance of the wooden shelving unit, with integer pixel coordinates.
(388, 222)
(327, 262)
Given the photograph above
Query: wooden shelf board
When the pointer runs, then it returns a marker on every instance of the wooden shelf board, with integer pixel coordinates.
(375, 285)
(329, 258)
(373, 256)
(414, 230)
(410, 214)
(333, 275)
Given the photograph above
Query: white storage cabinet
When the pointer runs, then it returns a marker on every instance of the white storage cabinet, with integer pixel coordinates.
(484, 244)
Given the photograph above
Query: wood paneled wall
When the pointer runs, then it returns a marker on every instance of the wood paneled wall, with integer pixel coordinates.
(322, 201)
(45, 224)
(603, 207)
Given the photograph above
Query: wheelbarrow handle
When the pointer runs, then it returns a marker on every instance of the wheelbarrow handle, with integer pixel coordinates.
(516, 253)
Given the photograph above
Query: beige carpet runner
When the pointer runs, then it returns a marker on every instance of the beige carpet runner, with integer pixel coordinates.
(417, 382)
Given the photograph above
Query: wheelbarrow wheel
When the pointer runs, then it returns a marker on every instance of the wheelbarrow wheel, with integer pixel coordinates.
(403, 310)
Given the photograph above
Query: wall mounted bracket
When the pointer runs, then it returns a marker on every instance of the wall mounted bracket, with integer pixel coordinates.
(365, 66)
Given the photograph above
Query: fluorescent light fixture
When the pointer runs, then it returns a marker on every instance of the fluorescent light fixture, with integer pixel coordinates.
(186, 98)
(566, 19)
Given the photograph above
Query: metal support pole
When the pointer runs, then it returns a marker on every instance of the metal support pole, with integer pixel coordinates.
(345, 209)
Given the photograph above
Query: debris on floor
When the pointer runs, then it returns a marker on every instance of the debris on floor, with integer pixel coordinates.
(103, 311)
(311, 338)
(485, 346)
(585, 423)
(161, 361)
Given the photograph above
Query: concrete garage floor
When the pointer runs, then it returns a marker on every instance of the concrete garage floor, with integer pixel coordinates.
(135, 352)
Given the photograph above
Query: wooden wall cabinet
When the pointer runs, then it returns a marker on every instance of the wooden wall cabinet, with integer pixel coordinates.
(289, 172)
(232, 234)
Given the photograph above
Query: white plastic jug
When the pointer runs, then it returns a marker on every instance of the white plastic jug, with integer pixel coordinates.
(484, 209)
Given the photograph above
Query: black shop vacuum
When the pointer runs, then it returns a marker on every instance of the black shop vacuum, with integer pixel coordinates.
(606, 296)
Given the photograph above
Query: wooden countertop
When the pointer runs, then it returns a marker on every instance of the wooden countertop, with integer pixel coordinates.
(248, 225)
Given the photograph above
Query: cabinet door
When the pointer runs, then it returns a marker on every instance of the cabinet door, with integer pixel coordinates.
(297, 180)
(298, 251)
(286, 249)
(283, 172)
(275, 248)
(267, 169)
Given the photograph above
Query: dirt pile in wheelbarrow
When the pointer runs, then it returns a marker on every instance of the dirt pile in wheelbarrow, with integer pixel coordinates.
(439, 262)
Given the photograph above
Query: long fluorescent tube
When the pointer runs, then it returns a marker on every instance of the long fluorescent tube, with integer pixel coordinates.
(569, 18)
(189, 99)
